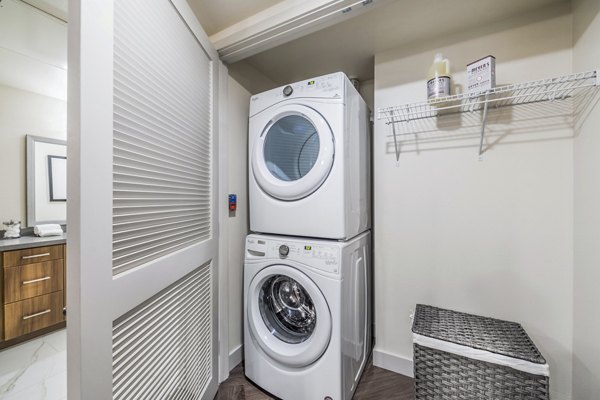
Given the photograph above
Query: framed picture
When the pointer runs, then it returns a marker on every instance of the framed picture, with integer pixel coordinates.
(57, 178)
(46, 181)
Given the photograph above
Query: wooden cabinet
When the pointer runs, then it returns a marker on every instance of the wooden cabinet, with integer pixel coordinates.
(32, 292)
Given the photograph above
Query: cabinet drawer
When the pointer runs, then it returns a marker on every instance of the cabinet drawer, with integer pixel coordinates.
(31, 256)
(33, 280)
(29, 315)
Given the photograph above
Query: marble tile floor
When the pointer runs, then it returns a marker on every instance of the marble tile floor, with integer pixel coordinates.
(35, 370)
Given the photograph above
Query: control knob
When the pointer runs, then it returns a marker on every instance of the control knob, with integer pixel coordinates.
(287, 90)
(284, 250)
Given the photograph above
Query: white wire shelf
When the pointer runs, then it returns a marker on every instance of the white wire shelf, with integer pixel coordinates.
(568, 87)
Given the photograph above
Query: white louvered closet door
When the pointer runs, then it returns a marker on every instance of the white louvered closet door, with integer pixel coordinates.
(142, 246)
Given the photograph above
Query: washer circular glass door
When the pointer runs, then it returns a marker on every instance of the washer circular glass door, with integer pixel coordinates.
(294, 153)
(288, 316)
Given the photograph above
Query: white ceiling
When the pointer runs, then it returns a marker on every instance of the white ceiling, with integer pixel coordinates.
(216, 15)
(57, 8)
(33, 50)
(350, 46)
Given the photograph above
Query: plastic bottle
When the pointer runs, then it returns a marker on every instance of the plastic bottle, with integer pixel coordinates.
(438, 78)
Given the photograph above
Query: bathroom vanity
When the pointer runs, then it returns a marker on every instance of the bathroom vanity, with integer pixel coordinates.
(32, 287)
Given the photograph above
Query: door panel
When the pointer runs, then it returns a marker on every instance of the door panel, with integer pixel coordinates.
(294, 154)
(299, 341)
(142, 231)
(169, 335)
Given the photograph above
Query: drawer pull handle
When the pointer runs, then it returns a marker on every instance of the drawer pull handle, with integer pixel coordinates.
(37, 314)
(35, 280)
(35, 256)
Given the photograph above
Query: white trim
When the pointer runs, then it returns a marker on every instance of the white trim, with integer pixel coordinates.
(89, 209)
(188, 16)
(482, 355)
(223, 189)
(236, 356)
(283, 22)
(393, 362)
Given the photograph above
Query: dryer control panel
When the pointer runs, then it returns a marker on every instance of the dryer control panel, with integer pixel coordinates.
(317, 255)
(324, 87)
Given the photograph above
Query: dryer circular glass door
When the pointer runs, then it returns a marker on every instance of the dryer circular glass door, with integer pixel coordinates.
(294, 153)
(288, 316)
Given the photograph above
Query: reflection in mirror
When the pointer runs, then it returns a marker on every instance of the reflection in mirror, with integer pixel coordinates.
(46, 181)
(33, 91)
(33, 101)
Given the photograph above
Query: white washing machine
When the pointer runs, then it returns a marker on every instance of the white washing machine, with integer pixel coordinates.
(307, 326)
(309, 172)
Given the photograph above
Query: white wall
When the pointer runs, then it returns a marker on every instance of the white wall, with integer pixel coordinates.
(586, 350)
(491, 237)
(23, 113)
(237, 130)
(250, 78)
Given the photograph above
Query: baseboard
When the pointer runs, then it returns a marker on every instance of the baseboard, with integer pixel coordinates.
(236, 356)
(393, 362)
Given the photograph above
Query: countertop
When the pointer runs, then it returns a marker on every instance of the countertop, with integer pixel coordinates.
(25, 242)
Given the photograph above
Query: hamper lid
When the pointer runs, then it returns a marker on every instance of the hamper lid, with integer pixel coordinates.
(493, 335)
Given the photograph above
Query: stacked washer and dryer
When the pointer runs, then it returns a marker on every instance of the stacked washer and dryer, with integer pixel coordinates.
(307, 270)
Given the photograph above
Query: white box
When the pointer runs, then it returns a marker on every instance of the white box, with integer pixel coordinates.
(481, 75)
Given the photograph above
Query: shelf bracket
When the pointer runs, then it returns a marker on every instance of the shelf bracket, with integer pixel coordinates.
(483, 121)
(395, 142)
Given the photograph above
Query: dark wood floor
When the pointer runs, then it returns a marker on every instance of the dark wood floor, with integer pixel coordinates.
(375, 384)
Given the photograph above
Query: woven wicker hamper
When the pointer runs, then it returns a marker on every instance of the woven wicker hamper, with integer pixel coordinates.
(467, 357)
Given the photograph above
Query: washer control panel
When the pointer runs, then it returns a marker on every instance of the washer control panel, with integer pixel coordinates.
(317, 255)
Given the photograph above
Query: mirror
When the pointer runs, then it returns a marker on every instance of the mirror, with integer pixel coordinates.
(46, 181)
(33, 93)
(33, 101)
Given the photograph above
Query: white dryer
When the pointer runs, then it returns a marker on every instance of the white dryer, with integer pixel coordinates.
(307, 326)
(309, 168)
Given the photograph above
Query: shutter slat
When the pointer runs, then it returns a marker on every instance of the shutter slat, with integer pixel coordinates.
(139, 123)
(168, 339)
(144, 221)
(134, 83)
(162, 137)
(131, 257)
(170, 164)
(132, 167)
(122, 180)
(147, 218)
(134, 141)
(157, 229)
